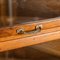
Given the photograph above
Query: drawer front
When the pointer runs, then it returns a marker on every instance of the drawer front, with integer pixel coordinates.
(47, 30)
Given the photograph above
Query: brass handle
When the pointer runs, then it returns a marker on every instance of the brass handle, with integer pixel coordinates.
(36, 30)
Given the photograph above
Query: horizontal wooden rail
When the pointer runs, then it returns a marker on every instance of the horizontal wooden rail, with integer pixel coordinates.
(46, 24)
(43, 36)
(9, 39)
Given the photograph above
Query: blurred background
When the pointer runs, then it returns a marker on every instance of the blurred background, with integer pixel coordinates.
(14, 12)
(21, 9)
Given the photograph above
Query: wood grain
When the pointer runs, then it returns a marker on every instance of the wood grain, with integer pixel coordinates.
(46, 24)
(12, 40)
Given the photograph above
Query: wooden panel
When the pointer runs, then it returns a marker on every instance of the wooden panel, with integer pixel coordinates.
(46, 24)
(9, 38)
(27, 41)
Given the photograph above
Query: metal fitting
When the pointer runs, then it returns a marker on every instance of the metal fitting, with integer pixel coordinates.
(20, 31)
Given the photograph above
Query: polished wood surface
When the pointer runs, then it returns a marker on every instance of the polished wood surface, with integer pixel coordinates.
(29, 26)
(9, 39)
(27, 41)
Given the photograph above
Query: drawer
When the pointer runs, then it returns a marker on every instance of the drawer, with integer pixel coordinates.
(29, 33)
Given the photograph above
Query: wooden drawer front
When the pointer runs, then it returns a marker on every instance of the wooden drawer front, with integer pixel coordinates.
(9, 39)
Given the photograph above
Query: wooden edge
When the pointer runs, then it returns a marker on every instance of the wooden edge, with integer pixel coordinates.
(28, 27)
(19, 36)
(47, 23)
(28, 41)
